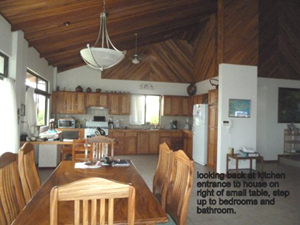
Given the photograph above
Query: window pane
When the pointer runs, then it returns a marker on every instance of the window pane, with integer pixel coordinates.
(42, 85)
(41, 109)
(1, 65)
(30, 80)
(137, 110)
(152, 109)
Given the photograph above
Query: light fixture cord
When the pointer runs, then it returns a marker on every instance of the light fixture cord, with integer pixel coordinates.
(135, 43)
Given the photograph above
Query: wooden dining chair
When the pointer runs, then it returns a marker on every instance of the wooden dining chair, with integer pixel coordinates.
(79, 149)
(101, 146)
(163, 172)
(179, 190)
(11, 195)
(86, 194)
(29, 176)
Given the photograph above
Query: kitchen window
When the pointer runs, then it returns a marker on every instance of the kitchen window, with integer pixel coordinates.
(144, 109)
(40, 87)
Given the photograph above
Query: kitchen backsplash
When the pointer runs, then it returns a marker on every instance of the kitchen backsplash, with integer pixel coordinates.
(124, 119)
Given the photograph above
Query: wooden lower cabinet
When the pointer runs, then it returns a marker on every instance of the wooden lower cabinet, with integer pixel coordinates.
(188, 143)
(119, 138)
(148, 143)
(130, 142)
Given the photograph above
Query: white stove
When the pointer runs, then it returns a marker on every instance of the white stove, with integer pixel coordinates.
(95, 128)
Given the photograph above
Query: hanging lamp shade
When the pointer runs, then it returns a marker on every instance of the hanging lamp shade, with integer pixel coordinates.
(105, 56)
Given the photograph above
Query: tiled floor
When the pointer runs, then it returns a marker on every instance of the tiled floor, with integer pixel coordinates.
(285, 211)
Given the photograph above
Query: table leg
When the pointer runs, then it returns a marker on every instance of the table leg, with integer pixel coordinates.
(251, 165)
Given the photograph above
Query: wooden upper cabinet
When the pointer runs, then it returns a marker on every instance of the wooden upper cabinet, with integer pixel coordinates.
(119, 104)
(125, 104)
(200, 99)
(58, 102)
(68, 102)
(166, 106)
(176, 106)
(187, 106)
(80, 105)
(96, 100)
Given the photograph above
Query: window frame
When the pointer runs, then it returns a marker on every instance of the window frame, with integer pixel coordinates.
(41, 92)
(5, 68)
(145, 108)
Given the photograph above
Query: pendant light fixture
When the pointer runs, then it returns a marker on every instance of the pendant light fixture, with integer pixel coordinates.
(105, 56)
(135, 58)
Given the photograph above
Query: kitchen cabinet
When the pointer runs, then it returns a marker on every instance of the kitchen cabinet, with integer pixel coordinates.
(131, 142)
(119, 104)
(166, 137)
(200, 99)
(119, 145)
(188, 143)
(172, 138)
(212, 129)
(187, 106)
(68, 102)
(176, 106)
(176, 140)
(96, 100)
(148, 142)
(58, 102)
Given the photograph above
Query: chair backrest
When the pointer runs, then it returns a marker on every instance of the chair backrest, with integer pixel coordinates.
(101, 146)
(95, 190)
(29, 176)
(11, 195)
(179, 191)
(79, 151)
(163, 172)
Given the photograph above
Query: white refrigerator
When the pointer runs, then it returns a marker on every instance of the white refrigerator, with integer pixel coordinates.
(200, 120)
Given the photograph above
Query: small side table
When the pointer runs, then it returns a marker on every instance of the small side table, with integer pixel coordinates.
(237, 158)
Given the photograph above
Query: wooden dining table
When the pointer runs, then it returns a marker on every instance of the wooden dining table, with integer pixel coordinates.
(147, 208)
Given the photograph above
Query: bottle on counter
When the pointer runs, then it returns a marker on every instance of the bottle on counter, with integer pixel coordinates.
(110, 124)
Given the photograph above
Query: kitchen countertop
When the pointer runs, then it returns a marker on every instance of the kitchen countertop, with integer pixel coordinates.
(49, 142)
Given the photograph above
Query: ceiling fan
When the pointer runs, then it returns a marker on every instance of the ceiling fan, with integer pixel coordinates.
(136, 58)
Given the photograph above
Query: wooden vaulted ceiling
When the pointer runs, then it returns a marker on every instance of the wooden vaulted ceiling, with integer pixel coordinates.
(155, 21)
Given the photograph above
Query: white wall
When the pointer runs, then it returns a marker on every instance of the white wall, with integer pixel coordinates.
(204, 86)
(269, 131)
(236, 82)
(22, 57)
(87, 77)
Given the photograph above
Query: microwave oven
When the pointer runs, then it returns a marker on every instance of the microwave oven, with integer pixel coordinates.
(66, 123)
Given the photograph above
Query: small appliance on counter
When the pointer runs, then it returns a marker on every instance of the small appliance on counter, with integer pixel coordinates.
(66, 123)
(117, 124)
(187, 125)
(173, 124)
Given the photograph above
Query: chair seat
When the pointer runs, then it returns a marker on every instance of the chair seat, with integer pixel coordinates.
(170, 222)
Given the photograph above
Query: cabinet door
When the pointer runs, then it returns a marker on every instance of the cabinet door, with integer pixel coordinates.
(58, 105)
(176, 106)
(153, 139)
(130, 142)
(92, 99)
(70, 102)
(167, 106)
(118, 136)
(103, 100)
(114, 104)
(130, 145)
(80, 103)
(187, 106)
(143, 143)
(125, 104)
